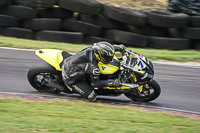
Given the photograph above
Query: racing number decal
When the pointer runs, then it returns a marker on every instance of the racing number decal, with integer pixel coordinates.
(140, 63)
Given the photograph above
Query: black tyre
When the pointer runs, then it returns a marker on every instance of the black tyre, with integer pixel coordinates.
(18, 11)
(195, 44)
(149, 30)
(151, 91)
(169, 43)
(37, 72)
(134, 29)
(43, 24)
(92, 40)
(16, 32)
(124, 15)
(101, 21)
(83, 27)
(5, 2)
(36, 3)
(107, 23)
(127, 38)
(191, 33)
(173, 32)
(82, 6)
(54, 12)
(165, 18)
(86, 18)
(60, 36)
(8, 21)
(195, 21)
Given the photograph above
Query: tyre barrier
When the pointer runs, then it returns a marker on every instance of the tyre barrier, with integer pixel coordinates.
(17, 32)
(5, 2)
(80, 26)
(60, 36)
(83, 6)
(89, 21)
(35, 3)
(42, 24)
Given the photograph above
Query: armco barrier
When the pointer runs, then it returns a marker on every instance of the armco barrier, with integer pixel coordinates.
(89, 21)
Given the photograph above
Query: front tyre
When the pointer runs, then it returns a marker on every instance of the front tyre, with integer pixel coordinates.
(150, 92)
(40, 71)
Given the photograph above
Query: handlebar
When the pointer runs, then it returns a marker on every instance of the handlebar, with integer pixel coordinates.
(129, 61)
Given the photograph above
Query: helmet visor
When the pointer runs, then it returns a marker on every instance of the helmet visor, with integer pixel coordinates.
(107, 59)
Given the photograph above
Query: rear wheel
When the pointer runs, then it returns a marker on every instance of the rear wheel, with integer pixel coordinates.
(38, 72)
(150, 92)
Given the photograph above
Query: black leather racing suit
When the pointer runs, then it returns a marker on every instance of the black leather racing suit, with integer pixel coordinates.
(81, 67)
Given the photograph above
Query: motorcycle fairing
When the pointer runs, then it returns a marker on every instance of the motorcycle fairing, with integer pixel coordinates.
(141, 65)
(110, 68)
(51, 56)
(147, 62)
(118, 88)
(140, 88)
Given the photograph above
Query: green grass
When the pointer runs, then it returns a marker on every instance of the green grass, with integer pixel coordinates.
(152, 54)
(22, 116)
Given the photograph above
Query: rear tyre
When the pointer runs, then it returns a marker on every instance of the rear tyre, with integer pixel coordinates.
(150, 92)
(40, 70)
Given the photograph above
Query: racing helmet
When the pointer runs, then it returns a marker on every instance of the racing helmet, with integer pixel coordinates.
(104, 52)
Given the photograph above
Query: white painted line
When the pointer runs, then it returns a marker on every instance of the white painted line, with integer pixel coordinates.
(15, 93)
(191, 65)
(172, 109)
(16, 49)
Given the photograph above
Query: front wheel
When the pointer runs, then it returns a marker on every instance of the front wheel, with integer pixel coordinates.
(40, 71)
(150, 92)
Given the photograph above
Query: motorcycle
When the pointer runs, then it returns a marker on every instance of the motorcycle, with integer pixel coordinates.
(46, 76)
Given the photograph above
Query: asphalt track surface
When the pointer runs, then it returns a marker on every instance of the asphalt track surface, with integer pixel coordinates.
(180, 84)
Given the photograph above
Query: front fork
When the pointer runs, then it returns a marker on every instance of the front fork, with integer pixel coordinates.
(125, 76)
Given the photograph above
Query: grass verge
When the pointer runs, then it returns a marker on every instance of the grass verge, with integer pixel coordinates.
(152, 54)
(22, 116)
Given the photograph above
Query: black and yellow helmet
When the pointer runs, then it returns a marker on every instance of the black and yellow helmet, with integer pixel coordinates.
(104, 52)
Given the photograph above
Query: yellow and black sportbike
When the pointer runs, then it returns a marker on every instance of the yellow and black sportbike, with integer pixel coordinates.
(134, 71)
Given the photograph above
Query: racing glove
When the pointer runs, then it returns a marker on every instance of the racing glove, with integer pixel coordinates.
(122, 48)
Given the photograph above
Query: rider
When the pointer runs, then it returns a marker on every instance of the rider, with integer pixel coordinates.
(83, 67)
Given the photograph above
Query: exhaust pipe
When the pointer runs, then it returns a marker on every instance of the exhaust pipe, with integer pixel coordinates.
(50, 83)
